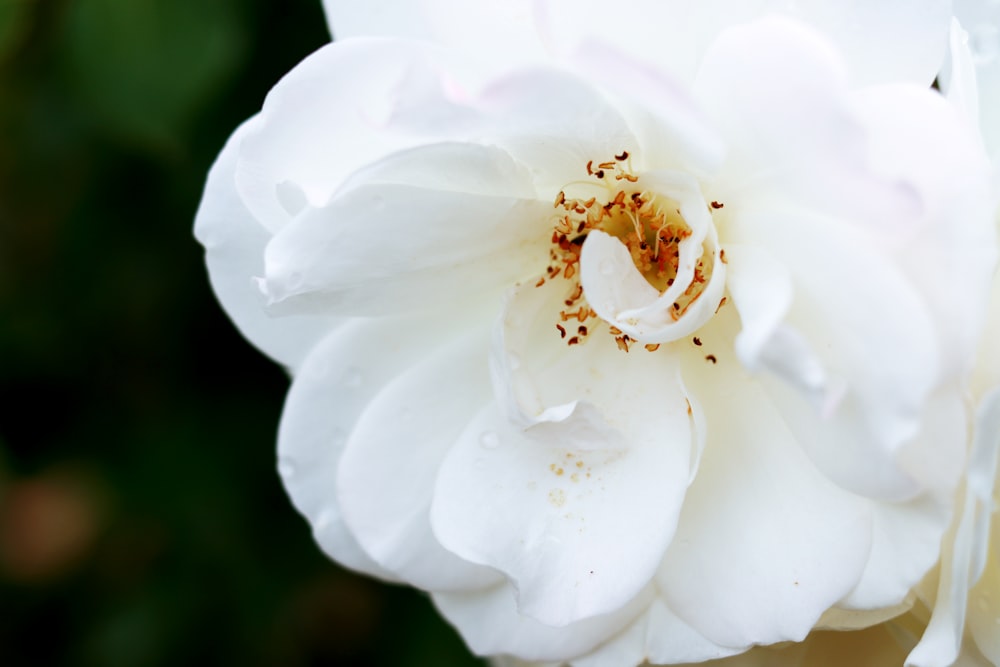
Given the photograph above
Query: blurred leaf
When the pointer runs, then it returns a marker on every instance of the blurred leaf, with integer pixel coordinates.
(14, 19)
(147, 67)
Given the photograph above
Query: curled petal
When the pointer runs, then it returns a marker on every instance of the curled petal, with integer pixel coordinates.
(234, 244)
(492, 625)
(386, 474)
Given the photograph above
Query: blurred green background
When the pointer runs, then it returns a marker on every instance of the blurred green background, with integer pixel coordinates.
(141, 518)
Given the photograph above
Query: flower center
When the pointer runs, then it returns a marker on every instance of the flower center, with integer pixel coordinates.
(654, 234)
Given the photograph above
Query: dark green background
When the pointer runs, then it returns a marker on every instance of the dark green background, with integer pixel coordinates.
(141, 518)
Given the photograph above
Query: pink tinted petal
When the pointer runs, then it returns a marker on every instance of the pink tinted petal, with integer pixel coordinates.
(765, 544)
(386, 475)
(234, 244)
(882, 41)
(491, 624)
(791, 135)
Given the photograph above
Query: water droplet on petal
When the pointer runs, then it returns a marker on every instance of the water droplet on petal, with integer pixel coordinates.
(489, 440)
(286, 468)
(606, 267)
(352, 377)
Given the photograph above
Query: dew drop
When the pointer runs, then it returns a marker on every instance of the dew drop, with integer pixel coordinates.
(489, 440)
(352, 377)
(606, 267)
(286, 468)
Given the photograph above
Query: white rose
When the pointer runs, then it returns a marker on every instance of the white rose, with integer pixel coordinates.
(651, 349)
(970, 80)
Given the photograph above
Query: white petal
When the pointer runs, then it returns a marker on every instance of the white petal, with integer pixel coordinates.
(500, 35)
(882, 41)
(490, 623)
(386, 476)
(765, 544)
(866, 356)
(383, 247)
(982, 20)
(576, 513)
(906, 543)
(310, 135)
(964, 557)
(337, 380)
(234, 244)
(955, 196)
(659, 637)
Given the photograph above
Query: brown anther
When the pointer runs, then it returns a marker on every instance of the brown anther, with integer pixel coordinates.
(582, 226)
(590, 171)
(628, 177)
(675, 305)
(570, 271)
(696, 341)
(541, 281)
(607, 165)
(619, 199)
(716, 205)
(622, 157)
(652, 347)
(711, 357)
(562, 330)
(622, 343)
(690, 411)
(580, 209)
(599, 173)
(722, 256)
(573, 341)
(589, 202)
(582, 330)
(615, 331)
(560, 198)
(721, 304)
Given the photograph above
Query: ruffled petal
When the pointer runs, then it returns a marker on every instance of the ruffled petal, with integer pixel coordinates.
(234, 244)
(491, 624)
(381, 247)
(576, 513)
(765, 543)
(659, 637)
(386, 475)
(338, 378)
(964, 556)
(310, 136)
(574, 495)
(881, 41)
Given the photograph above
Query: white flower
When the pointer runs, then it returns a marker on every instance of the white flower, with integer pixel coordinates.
(971, 555)
(650, 350)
